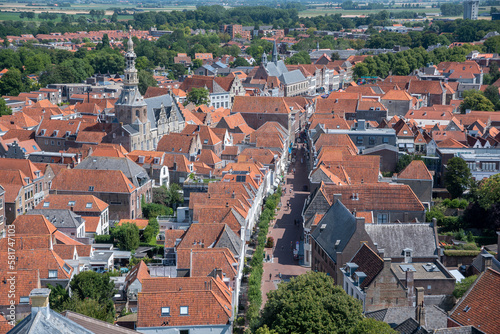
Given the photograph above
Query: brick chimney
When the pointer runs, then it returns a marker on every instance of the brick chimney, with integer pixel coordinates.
(486, 260)
(410, 286)
(338, 197)
(40, 302)
(420, 309)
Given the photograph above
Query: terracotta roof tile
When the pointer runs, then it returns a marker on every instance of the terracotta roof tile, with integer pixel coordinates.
(480, 306)
(79, 203)
(208, 301)
(416, 170)
(88, 180)
(258, 104)
(369, 263)
(374, 196)
(140, 223)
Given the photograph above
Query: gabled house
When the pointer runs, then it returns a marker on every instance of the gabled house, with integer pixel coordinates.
(188, 145)
(134, 281)
(420, 180)
(94, 211)
(110, 186)
(184, 305)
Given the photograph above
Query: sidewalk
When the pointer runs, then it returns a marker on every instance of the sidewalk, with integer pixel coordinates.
(285, 232)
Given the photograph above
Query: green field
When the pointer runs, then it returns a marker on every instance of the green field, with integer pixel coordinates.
(322, 11)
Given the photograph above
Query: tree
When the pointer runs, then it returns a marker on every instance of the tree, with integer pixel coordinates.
(4, 109)
(104, 42)
(240, 61)
(58, 297)
(464, 285)
(458, 177)
(11, 83)
(92, 308)
(405, 160)
(475, 100)
(151, 231)
(310, 303)
(301, 57)
(488, 192)
(90, 284)
(174, 195)
(146, 80)
(126, 236)
(198, 96)
(491, 93)
(372, 326)
(197, 63)
(492, 44)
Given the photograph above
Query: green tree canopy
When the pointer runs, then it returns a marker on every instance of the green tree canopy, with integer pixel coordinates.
(4, 109)
(151, 231)
(372, 326)
(198, 96)
(126, 236)
(488, 192)
(311, 303)
(301, 57)
(146, 80)
(475, 100)
(90, 284)
(11, 83)
(458, 177)
(464, 285)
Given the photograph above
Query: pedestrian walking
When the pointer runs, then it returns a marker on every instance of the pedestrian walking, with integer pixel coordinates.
(270, 276)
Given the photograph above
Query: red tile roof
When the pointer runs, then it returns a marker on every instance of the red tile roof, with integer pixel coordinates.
(208, 301)
(79, 203)
(89, 180)
(258, 104)
(416, 170)
(480, 306)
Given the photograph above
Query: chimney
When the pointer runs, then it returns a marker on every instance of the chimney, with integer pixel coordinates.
(387, 263)
(486, 260)
(218, 272)
(434, 222)
(381, 252)
(40, 302)
(419, 309)
(410, 286)
(338, 197)
(360, 223)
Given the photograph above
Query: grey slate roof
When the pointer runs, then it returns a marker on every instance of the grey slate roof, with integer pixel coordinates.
(339, 224)
(394, 316)
(154, 105)
(229, 239)
(410, 326)
(97, 326)
(135, 173)
(54, 324)
(393, 238)
(292, 77)
(478, 261)
(60, 218)
(130, 97)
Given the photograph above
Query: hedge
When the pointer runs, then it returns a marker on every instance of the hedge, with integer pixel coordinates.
(458, 252)
(256, 264)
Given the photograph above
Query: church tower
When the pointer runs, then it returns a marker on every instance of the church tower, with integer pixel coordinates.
(275, 53)
(131, 107)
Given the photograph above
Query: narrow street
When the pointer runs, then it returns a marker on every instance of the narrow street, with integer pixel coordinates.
(287, 230)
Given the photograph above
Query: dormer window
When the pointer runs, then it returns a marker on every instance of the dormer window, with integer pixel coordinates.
(184, 310)
(141, 159)
(46, 204)
(91, 188)
(71, 203)
(156, 161)
(52, 273)
(54, 134)
(165, 311)
(407, 252)
(68, 133)
(42, 132)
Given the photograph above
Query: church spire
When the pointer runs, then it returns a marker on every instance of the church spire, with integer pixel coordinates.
(131, 78)
(275, 53)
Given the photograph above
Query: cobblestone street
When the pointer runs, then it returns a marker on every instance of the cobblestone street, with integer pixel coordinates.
(287, 230)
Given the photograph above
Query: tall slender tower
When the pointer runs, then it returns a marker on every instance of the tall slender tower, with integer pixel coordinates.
(275, 53)
(130, 107)
(471, 9)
